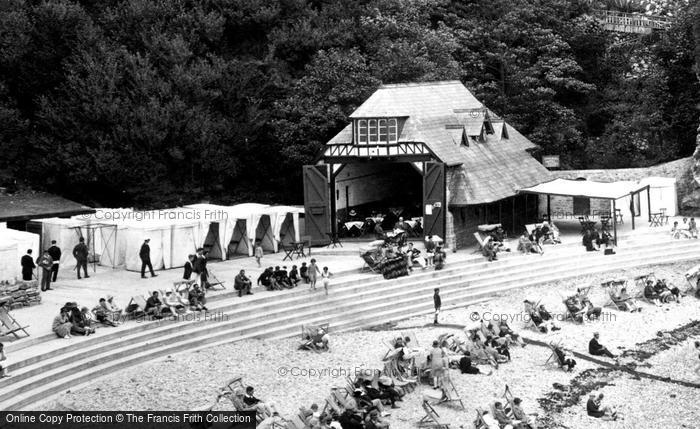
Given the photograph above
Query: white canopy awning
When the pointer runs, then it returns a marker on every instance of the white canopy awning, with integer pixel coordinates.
(585, 188)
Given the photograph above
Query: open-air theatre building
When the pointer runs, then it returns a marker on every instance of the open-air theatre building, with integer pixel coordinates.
(429, 150)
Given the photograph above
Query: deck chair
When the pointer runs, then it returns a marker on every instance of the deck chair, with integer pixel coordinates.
(692, 277)
(553, 358)
(569, 315)
(431, 418)
(216, 282)
(583, 291)
(612, 287)
(296, 422)
(136, 307)
(449, 392)
(233, 383)
(308, 334)
(480, 242)
(531, 227)
(412, 336)
(371, 264)
(332, 406)
(640, 283)
(9, 325)
(479, 422)
(181, 286)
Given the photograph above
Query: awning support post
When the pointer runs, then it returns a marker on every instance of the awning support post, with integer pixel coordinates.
(632, 209)
(649, 202)
(614, 224)
(549, 208)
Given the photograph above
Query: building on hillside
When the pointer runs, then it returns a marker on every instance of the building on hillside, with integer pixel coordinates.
(429, 150)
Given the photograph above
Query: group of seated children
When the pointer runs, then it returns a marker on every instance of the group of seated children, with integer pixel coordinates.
(507, 418)
(176, 303)
(278, 278)
(72, 320)
(687, 230)
(661, 292)
(592, 240)
(540, 317)
(107, 312)
(579, 305)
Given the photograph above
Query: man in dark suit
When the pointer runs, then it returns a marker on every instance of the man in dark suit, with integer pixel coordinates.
(55, 253)
(153, 305)
(438, 303)
(46, 264)
(145, 255)
(27, 265)
(80, 253)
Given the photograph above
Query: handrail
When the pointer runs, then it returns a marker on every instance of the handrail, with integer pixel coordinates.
(634, 19)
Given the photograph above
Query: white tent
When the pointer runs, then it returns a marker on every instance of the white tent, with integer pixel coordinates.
(66, 232)
(172, 237)
(14, 245)
(285, 224)
(662, 194)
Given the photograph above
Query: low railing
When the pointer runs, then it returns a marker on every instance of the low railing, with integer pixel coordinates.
(633, 19)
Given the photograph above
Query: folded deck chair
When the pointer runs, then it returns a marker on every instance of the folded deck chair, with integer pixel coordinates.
(10, 326)
(136, 307)
(308, 337)
(431, 418)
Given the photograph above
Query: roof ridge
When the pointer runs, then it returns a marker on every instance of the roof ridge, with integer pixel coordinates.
(430, 83)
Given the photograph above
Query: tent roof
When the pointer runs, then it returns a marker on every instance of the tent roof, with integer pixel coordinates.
(585, 188)
(27, 205)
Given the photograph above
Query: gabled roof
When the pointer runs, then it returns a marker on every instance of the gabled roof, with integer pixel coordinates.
(434, 112)
(27, 205)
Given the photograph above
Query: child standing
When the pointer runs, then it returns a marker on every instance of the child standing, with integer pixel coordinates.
(326, 276)
(258, 253)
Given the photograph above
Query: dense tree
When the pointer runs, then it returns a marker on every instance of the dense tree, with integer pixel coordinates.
(153, 103)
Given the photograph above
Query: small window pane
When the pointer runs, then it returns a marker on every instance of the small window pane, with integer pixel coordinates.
(392, 131)
(373, 131)
(362, 131)
(382, 131)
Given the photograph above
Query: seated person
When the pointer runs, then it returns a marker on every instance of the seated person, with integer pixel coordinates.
(175, 303)
(382, 395)
(595, 409)
(104, 315)
(525, 245)
(527, 421)
(361, 402)
(379, 232)
(536, 245)
(490, 421)
(575, 308)
(197, 299)
(665, 293)
(551, 233)
(650, 292)
(304, 272)
(3, 371)
(61, 324)
(692, 228)
(350, 419)
(562, 358)
(499, 235)
(267, 279)
(240, 404)
(154, 305)
(589, 241)
(250, 400)
(499, 413)
(373, 421)
(242, 284)
(284, 276)
(294, 277)
(677, 232)
(490, 249)
(592, 312)
(625, 302)
(80, 324)
(504, 329)
(114, 308)
(605, 238)
(386, 384)
(430, 247)
(596, 349)
(502, 352)
(272, 422)
(465, 364)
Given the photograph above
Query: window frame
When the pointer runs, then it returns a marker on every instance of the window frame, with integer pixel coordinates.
(360, 127)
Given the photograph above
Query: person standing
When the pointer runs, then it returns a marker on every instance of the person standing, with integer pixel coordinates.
(80, 253)
(55, 253)
(326, 276)
(28, 266)
(46, 264)
(438, 303)
(145, 255)
(313, 272)
(258, 253)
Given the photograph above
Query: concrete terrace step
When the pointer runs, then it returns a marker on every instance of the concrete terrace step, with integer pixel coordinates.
(490, 272)
(302, 317)
(385, 310)
(486, 272)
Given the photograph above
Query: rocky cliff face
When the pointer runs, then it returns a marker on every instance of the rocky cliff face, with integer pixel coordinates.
(690, 204)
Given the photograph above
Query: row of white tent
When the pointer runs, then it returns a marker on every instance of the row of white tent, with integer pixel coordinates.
(116, 235)
(14, 245)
